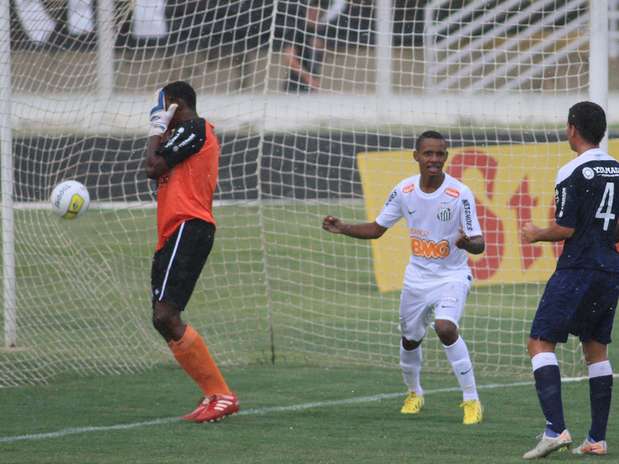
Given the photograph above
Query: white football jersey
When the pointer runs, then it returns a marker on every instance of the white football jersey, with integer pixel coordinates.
(434, 222)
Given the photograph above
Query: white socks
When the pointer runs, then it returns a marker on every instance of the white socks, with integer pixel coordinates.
(458, 357)
(600, 369)
(410, 363)
(545, 358)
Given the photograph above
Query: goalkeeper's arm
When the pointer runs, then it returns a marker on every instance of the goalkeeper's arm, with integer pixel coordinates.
(160, 119)
(366, 230)
(155, 165)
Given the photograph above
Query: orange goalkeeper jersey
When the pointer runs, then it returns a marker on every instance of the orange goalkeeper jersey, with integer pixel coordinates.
(186, 190)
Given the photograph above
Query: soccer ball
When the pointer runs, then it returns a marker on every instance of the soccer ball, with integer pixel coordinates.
(70, 199)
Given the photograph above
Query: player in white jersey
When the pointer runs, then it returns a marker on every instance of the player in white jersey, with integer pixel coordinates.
(443, 227)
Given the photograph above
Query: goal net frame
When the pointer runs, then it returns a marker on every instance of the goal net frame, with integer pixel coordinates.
(270, 238)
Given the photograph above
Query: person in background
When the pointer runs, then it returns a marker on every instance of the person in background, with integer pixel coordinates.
(304, 44)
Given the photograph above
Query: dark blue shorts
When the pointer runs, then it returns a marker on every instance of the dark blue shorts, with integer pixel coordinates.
(580, 302)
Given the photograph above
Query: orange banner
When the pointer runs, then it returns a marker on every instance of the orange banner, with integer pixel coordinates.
(513, 184)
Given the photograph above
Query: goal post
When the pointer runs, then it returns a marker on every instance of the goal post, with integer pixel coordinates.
(6, 179)
(106, 35)
(497, 79)
(599, 52)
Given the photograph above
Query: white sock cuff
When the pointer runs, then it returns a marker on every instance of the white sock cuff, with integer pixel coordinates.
(544, 359)
(416, 352)
(600, 369)
(411, 358)
(456, 351)
(455, 345)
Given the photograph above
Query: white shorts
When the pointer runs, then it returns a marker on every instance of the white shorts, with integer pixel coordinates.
(422, 304)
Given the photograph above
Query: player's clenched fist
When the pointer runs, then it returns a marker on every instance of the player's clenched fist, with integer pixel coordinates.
(463, 240)
(332, 224)
(529, 233)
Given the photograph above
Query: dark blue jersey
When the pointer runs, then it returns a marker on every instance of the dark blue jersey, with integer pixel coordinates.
(587, 200)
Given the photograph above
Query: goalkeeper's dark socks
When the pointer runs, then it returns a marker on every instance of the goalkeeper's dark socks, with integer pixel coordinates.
(600, 394)
(548, 387)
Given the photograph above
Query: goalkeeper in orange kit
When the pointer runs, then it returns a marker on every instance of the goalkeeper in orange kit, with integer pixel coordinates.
(183, 156)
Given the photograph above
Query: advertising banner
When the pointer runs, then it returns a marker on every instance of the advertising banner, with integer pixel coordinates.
(512, 184)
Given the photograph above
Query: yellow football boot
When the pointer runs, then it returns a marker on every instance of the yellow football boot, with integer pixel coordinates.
(473, 412)
(412, 404)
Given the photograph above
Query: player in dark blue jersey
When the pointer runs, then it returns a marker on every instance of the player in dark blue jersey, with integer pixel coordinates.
(581, 296)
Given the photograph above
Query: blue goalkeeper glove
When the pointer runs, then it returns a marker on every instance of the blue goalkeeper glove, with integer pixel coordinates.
(160, 117)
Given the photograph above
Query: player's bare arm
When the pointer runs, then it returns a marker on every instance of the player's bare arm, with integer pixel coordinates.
(155, 165)
(366, 230)
(474, 245)
(294, 63)
(554, 233)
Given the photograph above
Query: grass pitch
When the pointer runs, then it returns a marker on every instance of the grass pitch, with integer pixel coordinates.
(325, 311)
(294, 414)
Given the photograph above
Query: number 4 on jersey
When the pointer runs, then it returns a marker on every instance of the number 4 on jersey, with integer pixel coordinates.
(606, 205)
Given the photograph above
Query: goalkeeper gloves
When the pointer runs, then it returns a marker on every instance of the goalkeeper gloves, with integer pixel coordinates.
(160, 117)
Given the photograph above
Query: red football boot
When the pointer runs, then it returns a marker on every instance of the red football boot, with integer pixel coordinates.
(218, 407)
(202, 405)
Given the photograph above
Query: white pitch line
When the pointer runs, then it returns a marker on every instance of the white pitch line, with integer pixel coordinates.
(259, 411)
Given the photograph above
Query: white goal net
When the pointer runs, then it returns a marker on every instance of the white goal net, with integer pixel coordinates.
(317, 111)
